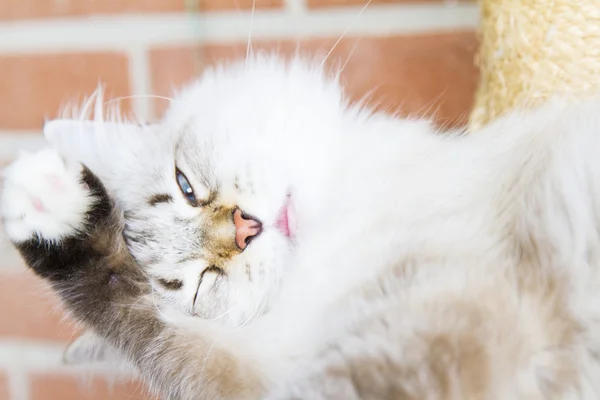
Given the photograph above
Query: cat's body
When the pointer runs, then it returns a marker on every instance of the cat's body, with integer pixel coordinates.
(412, 265)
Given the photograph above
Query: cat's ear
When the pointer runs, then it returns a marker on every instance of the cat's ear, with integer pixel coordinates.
(97, 144)
(87, 349)
(115, 152)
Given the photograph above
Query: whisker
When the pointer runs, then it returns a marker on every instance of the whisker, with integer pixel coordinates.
(137, 96)
(224, 314)
(365, 100)
(345, 32)
(135, 303)
(156, 306)
(349, 56)
(207, 356)
(246, 320)
(249, 45)
(426, 109)
(256, 312)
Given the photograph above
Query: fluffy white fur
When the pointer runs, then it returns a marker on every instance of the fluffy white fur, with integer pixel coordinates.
(418, 255)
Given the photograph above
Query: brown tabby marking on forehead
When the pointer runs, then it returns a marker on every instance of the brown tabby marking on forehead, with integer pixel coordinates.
(217, 208)
(221, 252)
(190, 257)
(212, 232)
(131, 236)
(170, 284)
(212, 197)
(221, 215)
(213, 269)
(160, 198)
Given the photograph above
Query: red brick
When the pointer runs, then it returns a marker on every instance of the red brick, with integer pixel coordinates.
(429, 75)
(30, 310)
(23, 9)
(36, 86)
(341, 3)
(70, 387)
(4, 390)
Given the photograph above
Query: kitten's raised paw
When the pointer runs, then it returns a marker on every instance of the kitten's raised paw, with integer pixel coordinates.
(43, 196)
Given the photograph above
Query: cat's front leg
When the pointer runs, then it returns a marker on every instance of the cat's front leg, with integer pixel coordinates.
(66, 227)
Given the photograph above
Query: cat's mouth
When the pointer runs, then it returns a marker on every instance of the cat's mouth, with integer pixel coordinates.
(286, 220)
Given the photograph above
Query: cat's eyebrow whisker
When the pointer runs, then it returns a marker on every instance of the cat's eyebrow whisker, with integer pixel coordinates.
(206, 357)
(135, 303)
(255, 313)
(224, 314)
(156, 306)
(250, 317)
(249, 45)
(363, 101)
(345, 32)
(245, 320)
(261, 309)
(349, 56)
(427, 109)
(139, 96)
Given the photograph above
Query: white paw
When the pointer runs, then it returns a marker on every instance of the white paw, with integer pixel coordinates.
(42, 196)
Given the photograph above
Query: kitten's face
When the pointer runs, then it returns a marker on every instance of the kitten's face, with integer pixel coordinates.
(214, 232)
(209, 193)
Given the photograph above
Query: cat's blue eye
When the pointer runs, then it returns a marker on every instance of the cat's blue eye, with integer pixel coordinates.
(185, 187)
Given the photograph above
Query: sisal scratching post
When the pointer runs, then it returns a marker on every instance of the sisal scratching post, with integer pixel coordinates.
(534, 49)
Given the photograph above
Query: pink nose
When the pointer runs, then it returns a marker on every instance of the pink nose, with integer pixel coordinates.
(246, 228)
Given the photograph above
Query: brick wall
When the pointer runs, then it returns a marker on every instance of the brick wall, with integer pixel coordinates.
(408, 56)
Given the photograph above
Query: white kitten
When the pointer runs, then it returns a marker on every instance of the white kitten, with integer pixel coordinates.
(267, 239)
